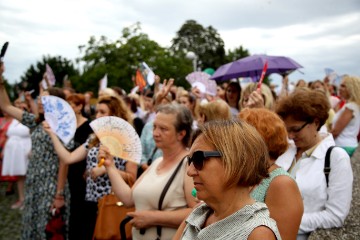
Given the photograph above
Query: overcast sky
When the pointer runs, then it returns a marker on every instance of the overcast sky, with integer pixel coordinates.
(315, 33)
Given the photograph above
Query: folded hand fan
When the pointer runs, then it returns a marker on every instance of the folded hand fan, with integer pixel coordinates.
(60, 116)
(119, 136)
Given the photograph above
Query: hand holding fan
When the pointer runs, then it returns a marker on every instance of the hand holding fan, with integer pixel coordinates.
(60, 116)
(119, 136)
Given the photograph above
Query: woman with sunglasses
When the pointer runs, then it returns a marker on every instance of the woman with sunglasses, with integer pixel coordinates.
(225, 160)
(172, 131)
(279, 191)
(304, 112)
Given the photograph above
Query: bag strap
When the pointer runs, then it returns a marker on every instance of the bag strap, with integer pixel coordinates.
(327, 167)
(162, 196)
(150, 160)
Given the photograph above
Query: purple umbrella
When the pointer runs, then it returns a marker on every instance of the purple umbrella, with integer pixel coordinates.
(252, 67)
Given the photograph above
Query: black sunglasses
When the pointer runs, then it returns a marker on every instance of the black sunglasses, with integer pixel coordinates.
(199, 157)
(296, 130)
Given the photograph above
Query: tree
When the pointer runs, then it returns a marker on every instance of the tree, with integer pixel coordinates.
(34, 75)
(236, 54)
(206, 43)
(121, 58)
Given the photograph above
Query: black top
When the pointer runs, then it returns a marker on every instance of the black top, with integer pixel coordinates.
(77, 183)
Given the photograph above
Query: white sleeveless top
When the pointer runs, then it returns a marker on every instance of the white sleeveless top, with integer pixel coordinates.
(147, 193)
(348, 136)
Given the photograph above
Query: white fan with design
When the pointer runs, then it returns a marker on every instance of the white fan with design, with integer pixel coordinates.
(119, 136)
(60, 116)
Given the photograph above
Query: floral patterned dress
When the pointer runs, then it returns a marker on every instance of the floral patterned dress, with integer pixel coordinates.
(41, 182)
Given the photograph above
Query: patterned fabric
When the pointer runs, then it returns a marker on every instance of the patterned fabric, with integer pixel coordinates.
(238, 226)
(259, 193)
(41, 182)
(101, 186)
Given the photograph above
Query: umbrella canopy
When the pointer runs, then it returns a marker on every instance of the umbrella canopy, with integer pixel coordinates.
(252, 67)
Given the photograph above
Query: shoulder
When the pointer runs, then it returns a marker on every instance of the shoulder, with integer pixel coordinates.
(281, 189)
(262, 232)
(352, 106)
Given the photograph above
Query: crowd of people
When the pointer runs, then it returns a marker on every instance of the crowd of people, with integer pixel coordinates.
(244, 164)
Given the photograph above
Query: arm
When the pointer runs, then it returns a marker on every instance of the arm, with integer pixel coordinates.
(180, 231)
(61, 180)
(164, 91)
(339, 194)
(121, 189)
(284, 87)
(64, 155)
(256, 100)
(285, 204)
(157, 84)
(262, 232)
(342, 122)
(5, 103)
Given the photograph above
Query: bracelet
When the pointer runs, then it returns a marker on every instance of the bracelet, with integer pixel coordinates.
(59, 198)
(60, 193)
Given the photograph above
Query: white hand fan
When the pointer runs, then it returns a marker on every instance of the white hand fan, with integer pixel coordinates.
(60, 116)
(119, 136)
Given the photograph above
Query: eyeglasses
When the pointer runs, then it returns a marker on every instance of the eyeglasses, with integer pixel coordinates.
(199, 157)
(297, 130)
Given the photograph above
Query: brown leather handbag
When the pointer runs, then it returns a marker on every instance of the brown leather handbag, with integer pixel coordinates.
(111, 212)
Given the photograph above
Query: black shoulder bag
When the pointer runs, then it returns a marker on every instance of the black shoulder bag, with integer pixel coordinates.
(327, 167)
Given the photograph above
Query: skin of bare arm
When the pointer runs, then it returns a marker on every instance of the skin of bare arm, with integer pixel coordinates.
(283, 193)
(64, 155)
(343, 120)
(5, 103)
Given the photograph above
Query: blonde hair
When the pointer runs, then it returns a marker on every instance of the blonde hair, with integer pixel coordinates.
(244, 153)
(265, 92)
(352, 84)
(218, 109)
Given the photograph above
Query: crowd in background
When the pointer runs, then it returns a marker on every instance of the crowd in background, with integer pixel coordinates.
(246, 153)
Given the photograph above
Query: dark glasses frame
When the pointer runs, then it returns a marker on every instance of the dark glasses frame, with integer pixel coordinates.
(298, 129)
(198, 158)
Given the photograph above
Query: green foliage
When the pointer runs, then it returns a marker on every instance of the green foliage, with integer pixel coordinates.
(119, 59)
(206, 43)
(34, 75)
(236, 54)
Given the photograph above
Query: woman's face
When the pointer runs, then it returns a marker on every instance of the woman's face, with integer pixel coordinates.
(318, 86)
(209, 182)
(164, 132)
(343, 92)
(185, 101)
(232, 94)
(102, 110)
(76, 108)
(303, 133)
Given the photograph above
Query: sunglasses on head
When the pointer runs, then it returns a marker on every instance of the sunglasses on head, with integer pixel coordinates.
(198, 158)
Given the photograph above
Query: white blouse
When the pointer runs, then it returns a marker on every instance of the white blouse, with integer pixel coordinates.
(324, 207)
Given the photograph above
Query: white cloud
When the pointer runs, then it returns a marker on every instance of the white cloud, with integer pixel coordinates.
(317, 34)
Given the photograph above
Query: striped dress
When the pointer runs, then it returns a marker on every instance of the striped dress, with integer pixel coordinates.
(238, 225)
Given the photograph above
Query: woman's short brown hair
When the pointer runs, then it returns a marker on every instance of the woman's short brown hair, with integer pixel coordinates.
(217, 109)
(270, 127)
(77, 99)
(244, 153)
(304, 105)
